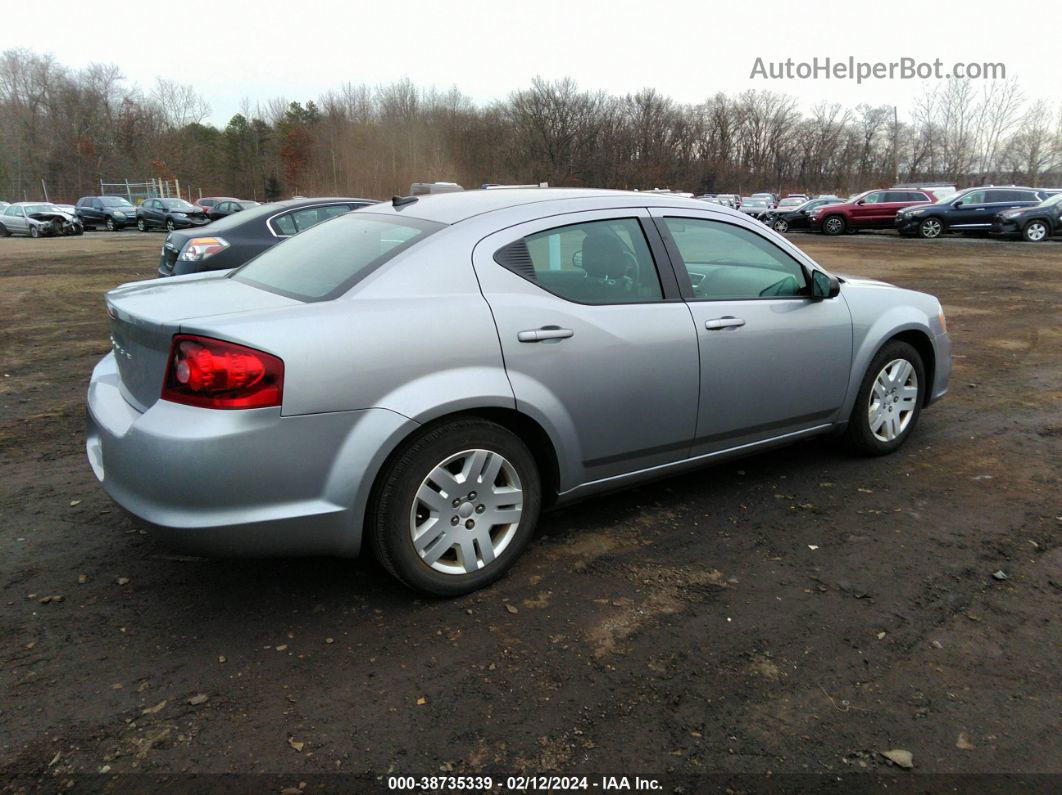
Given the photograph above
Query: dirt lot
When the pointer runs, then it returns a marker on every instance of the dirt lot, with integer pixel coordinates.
(794, 613)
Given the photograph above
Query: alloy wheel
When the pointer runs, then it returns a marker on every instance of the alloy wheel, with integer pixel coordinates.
(466, 512)
(781, 225)
(834, 225)
(893, 400)
(931, 228)
(1036, 231)
(141, 225)
(110, 224)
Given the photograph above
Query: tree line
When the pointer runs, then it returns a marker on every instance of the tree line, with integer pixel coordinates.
(73, 127)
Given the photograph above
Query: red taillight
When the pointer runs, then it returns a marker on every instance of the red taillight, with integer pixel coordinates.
(215, 374)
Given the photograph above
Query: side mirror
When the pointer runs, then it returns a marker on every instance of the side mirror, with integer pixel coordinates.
(824, 286)
(861, 202)
(957, 204)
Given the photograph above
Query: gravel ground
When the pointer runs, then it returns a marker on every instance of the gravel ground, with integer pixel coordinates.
(797, 612)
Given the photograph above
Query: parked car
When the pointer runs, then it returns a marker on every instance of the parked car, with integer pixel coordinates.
(429, 188)
(873, 209)
(169, 214)
(789, 218)
(1032, 224)
(224, 209)
(941, 190)
(111, 212)
(728, 199)
(771, 198)
(207, 203)
(232, 241)
(421, 377)
(38, 219)
(791, 201)
(972, 210)
(4, 205)
(757, 208)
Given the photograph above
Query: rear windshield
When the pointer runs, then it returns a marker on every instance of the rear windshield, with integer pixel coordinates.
(328, 259)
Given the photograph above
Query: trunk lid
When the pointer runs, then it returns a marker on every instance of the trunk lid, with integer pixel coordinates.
(144, 316)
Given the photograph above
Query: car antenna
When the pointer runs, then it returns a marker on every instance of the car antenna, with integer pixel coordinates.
(398, 202)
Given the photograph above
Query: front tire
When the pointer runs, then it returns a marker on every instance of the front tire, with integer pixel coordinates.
(781, 225)
(834, 225)
(169, 225)
(931, 228)
(35, 231)
(889, 401)
(110, 225)
(1034, 232)
(455, 507)
(140, 225)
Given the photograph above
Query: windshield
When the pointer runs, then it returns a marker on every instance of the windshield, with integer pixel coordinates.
(247, 205)
(755, 202)
(41, 208)
(115, 201)
(328, 259)
(176, 204)
(1051, 201)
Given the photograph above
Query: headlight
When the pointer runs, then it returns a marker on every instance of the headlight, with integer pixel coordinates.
(199, 248)
(180, 215)
(119, 214)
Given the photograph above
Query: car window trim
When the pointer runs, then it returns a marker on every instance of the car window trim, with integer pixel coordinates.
(686, 284)
(269, 221)
(669, 286)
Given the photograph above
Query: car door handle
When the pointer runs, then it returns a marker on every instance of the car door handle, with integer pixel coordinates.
(545, 333)
(723, 322)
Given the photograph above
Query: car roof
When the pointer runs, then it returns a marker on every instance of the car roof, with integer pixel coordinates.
(452, 208)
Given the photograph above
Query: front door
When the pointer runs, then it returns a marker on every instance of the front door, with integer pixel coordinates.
(598, 345)
(774, 361)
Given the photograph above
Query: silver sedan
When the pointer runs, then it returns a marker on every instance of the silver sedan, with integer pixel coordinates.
(422, 377)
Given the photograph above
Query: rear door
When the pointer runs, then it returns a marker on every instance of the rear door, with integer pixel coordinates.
(598, 344)
(15, 220)
(773, 360)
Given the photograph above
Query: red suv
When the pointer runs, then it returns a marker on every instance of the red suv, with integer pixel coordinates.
(875, 209)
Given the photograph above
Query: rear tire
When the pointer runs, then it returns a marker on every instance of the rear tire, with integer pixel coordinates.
(834, 225)
(889, 401)
(4, 232)
(450, 465)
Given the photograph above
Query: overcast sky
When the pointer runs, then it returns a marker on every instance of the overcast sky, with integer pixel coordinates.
(689, 50)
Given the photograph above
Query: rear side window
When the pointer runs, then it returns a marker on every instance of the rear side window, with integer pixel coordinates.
(326, 261)
(597, 262)
(300, 220)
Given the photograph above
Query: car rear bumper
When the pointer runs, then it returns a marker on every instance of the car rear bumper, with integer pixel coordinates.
(246, 483)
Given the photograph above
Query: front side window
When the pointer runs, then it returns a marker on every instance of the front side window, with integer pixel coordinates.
(874, 198)
(974, 197)
(726, 261)
(329, 259)
(597, 262)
